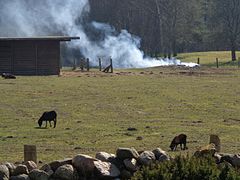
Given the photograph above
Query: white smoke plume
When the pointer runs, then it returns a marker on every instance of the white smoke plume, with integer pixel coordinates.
(27, 18)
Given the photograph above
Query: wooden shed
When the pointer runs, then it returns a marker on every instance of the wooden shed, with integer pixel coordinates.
(31, 56)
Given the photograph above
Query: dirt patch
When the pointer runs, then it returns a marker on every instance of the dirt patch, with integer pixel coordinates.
(156, 71)
(191, 123)
(93, 74)
(231, 121)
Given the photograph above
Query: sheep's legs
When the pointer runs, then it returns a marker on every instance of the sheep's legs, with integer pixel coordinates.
(55, 122)
(181, 146)
(185, 146)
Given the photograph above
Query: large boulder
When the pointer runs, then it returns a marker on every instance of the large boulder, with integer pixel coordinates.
(105, 157)
(127, 153)
(161, 155)
(118, 163)
(131, 164)
(30, 165)
(106, 170)
(56, 164)
(146, 157)
(66, 172)
(125, 175)
(37, 174)
(20, 169)
(206, 151)
(217, 158)
(47, 168)
(233, 159)
(4, 172)
(20, 177)
(11, 167)
(84, 164)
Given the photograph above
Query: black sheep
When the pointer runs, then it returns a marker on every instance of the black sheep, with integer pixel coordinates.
(180, 139)
(8, 76)
(48, 116)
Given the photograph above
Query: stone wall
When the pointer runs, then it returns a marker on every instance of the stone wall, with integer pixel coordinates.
(120, 165)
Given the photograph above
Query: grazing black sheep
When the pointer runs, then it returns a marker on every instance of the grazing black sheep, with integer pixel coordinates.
(48, 116)
(180, 139)
(8, 76)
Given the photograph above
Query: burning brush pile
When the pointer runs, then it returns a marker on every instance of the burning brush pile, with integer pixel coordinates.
(47, 18)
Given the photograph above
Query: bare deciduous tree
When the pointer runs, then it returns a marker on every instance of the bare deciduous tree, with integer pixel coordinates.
(227, 19)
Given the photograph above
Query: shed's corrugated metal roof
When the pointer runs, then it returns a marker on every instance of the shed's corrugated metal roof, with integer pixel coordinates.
(40, 38)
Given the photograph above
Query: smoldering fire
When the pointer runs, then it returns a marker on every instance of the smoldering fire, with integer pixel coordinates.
(41, 18)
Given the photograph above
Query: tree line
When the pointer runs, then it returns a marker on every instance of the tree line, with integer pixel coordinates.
(168, 27)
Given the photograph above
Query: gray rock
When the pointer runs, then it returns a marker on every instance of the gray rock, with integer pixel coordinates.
(125, 175)
(66, 172)
(118, 163)
(47, 169)
(84, 164)
(158, 152)
(161, 155)
(106, 170)
(217, 158)
(127, 153)
(164, 158)
(233, 159)
(105, 157)
(37, 174)
(30, 165)
(146, 157)
(208, 150)
(139, 138)
(4, 172)
(131, 164)
(20, 177)
(11, 167)
(56, 164)
(20, 169)
(132, 129)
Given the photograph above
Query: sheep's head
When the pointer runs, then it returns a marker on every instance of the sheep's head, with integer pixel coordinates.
(172, 145)
(40, 122)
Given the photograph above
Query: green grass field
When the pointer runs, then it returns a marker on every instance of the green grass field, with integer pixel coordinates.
(209, 58)
(96, 109)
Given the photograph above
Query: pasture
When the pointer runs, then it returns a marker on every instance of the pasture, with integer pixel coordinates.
(96, 109)
(209, 58)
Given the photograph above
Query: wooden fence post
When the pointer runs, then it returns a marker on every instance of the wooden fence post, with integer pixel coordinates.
(82, 64)
(216, 141)
(100, 64)
(88, 64)
(30, 153)
(217, 62)
(111, 65)
(74, 64)
(198, 61)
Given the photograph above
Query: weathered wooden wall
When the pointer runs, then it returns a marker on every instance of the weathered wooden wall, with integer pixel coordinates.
(5, 57)
(30, 57)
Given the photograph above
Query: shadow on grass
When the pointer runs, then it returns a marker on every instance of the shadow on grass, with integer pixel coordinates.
(40, 127)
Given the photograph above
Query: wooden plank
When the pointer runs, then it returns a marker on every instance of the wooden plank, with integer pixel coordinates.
(5, 58)
(29, 57)
(30, 153)
(24, 57)
(49, 57)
